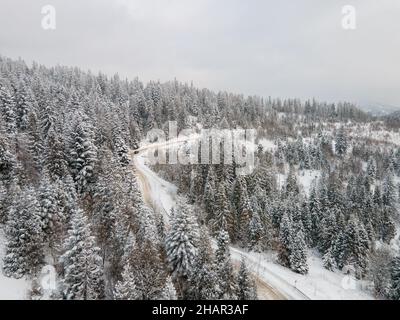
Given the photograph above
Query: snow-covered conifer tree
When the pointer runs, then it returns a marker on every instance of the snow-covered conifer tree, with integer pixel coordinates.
(83, 154)
(341, 144)
(395, 279)
(225, 277)
(126, 289)
(24, 251)
(82, 264)
(246, 285)
(181, 244)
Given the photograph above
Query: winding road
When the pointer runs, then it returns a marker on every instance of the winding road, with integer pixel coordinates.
(162, 196)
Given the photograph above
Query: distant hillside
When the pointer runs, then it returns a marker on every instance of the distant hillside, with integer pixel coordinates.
(378, 109)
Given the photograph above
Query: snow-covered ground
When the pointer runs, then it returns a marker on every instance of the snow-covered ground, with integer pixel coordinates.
(11, 289)
(268, 145)
(318, 284)
(163, 195)
(307, 178)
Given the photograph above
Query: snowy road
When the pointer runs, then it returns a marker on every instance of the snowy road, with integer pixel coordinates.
(274, 282)
(162, 195)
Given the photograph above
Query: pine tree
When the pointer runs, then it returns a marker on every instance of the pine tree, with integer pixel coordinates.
(329, 262)
(8, 163)
(223, 218)
(371, 169)
(389, 190)
(83, 272)
(121, 149)
(226, 281)
(3, 203)
(255, 232)
(24, 251)
(314, 206)
(25, 103)
(149, 271)
(148, 229)
(395, 279)
(339, 249)
(387, 226)
(36, 143)
(7, 109)
(203, 277)
(56, 160)
(104, 212)
(241, 202)
(328, 229)
(203, 282)
(125, 289)
(354, 246)
(246, 285)
(49, 211)
(285, 233)
(209, 193)
(292, 246)
(379, 272)
(181, 244)
(341, 142)
(168, 292)
(46, 118)
(298, 253)
(292, 186)
(306, 221)
(83, 155)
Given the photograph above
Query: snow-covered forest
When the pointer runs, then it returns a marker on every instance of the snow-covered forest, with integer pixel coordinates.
(325, 191)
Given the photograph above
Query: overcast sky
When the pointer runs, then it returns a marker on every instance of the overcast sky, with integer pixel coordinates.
(287, 48)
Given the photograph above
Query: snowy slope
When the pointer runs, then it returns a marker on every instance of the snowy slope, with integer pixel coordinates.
(11, 289)
(318, 284)
(163, 195)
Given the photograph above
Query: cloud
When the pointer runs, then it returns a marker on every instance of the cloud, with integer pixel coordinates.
(286, 48)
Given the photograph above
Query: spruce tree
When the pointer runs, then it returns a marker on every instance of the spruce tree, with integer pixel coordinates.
(82, 264)
(225, 278)
(389, 192)
(181, 244)
(25, 103)
(126, 289)
(121, 150)
(223, 218)
(8, 163)
(47, 196)
(341, 144)
(8, 109)
(371, 169)
(3, 203)
(292, 246)
(292, 186)
(56, 160)
(246, 286)
(395, 279)
(209, 194)
(168, 291)
(203, 276)
(24, 252)
(285, 233)
(329, 262)
(83, 155)
(255, 232)
(298, 253)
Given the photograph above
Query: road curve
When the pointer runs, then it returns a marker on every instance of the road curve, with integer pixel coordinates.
(151, 184)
